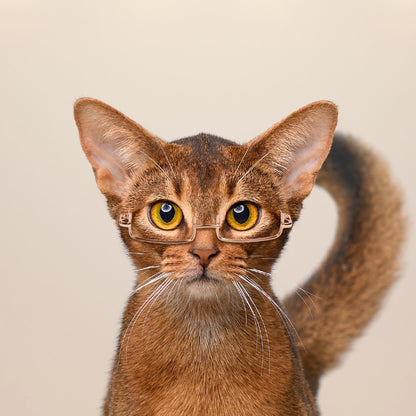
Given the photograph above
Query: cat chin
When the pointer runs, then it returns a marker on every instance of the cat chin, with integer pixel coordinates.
(204, 287)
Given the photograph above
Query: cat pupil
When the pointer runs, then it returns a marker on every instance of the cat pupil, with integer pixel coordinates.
(241, 213)
(167, 212)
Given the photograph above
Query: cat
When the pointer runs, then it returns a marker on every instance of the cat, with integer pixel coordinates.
(204, 219)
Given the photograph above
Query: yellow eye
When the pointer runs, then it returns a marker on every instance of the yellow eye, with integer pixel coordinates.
(242, 216)
(166, 215)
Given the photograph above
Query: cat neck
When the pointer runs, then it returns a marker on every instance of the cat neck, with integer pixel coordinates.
(166, 353)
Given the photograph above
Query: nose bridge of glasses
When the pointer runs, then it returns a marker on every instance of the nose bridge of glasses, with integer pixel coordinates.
(205, 235)
(201, 229)
(206, 227)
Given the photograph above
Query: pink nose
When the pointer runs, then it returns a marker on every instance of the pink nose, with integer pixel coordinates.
(204, 255)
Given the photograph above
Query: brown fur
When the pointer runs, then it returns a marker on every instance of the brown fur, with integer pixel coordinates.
(362, 264)
(198, 349)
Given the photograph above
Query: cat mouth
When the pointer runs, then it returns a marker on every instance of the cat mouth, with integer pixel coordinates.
(203, 278)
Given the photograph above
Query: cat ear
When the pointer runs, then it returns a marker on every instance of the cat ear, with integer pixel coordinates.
(116, 146)
(297, 147)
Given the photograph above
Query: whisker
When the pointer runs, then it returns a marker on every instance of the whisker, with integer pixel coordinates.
(251, 168)
(263, 258)
(264, 326)
(165, 286)
(135, 316)
(167, 159)
(154, 278)
(306, 292)
(285, 319)
(256, 321)
(161, 169)
(303, 300)
(148, 267)
(242, 300)
(281, 312)
(179, 287)
(260, 271)
(241, 161)
(309, 295)
(170, 292)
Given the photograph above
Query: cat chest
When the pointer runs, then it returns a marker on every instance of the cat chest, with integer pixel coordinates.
(208, 385)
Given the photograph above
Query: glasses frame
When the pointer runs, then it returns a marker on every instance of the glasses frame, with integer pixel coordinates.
(125, 221)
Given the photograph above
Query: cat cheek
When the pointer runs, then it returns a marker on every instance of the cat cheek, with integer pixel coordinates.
(179, 261)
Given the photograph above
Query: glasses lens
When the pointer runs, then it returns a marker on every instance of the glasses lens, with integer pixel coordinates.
(262, 230)
(142, 230)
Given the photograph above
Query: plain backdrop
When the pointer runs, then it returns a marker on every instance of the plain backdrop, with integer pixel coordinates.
(231, 68)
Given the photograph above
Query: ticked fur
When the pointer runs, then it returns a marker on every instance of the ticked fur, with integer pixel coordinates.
(204, 334)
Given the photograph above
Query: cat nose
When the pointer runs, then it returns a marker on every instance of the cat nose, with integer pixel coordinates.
(204, 255)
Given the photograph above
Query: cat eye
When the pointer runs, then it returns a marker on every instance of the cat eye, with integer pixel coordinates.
(166, 215)
(242, 216)
(171, 227)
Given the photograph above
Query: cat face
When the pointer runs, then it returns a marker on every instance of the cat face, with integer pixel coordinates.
(205, 181)
(207, 188)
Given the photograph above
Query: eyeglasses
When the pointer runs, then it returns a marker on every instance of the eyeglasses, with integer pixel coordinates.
(184, 235)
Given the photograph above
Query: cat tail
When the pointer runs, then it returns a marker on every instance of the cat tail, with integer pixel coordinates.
(347, 289)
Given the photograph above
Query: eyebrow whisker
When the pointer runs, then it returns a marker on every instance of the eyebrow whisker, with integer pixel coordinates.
(252, 167)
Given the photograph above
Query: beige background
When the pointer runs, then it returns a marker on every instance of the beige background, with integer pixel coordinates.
(232, 68)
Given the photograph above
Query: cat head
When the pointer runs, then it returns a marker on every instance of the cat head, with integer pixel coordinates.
(204, 209)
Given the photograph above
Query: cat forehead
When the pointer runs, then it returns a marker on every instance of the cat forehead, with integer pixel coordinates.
(205, 159)
(205, 173)
(206, 148)
(211, 167)
(209, 163)
(204, 142)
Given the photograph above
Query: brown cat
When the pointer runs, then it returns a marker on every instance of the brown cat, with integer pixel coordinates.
(204, 220)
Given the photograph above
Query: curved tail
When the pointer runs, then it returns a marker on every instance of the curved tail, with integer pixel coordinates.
(362, 263)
